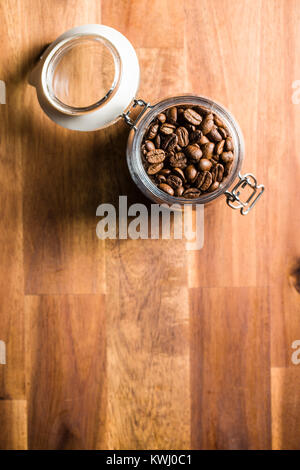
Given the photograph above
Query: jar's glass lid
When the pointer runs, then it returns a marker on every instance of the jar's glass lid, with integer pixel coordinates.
(87, 78)
(82, 74)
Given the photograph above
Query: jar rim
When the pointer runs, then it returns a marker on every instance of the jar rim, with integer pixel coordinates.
(53, 59)
(101, 114)
(134, 155)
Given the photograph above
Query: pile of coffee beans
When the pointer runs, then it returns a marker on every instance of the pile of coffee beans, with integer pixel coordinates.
(187, 151)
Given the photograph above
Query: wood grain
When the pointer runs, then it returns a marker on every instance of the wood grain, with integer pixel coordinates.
(151, 24)
(284, 216)
(13, 424)
(58, 258)
(222, 69)
(263, 251)
(66, 372)
(285, 327)
(138, 344)
(147, 306)
(230, 363)
(285, 408)
(147, 334)
(12, 377)
(62, 168)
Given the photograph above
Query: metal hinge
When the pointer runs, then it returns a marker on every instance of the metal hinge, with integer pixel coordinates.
(233, 196)
(126, 116)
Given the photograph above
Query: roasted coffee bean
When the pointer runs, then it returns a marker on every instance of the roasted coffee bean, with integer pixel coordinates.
(228, 167)
(165, 172)
(157, 141)
(165, 141)
(180, 155)
(214, 135)
(223, 132)
(218, 121)
(219, 147)
(173, 143)
(187, 151)
(182, 136)
(192, 117)
(204, 164)
(156, 156)
(215, 159)
(179, 191)
(196, 136)
(190, 127)
(202, 111)
(161, 117)
(192, 193)
(203, 140)
(207, 125)
(170, 154)
(178, 160)
(227, 157)
(153, 131)
(229, 144)
(191, 173)
(166, 188)
(155, 168)
(207, 181)
(214, 186)
(167, 128)
(171, 115)
(149, 145)
(193, 152)
(208, 149)
(169, 142)
(179, 172)
(174, 181)
(200, 179)
(161, 178)
(218, 172)
(178, 163)
(180, 116)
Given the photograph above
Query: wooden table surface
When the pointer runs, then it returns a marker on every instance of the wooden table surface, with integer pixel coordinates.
(140, 344)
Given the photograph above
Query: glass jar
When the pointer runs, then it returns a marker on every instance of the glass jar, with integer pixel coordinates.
(76, 92)
(107, 58)
(134, 157)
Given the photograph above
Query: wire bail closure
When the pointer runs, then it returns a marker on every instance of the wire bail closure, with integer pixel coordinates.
(126, 116)
(233, 196)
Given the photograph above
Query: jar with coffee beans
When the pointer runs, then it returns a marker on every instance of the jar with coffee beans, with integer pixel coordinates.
(189, 149)
(186, 149)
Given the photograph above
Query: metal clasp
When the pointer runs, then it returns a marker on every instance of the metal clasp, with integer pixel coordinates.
(126, 116)
(233, 196)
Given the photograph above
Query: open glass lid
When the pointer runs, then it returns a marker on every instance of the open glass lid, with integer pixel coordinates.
(87, 78)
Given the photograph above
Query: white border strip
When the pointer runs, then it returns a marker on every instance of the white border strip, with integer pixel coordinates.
(2, 352)
(2, 92)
